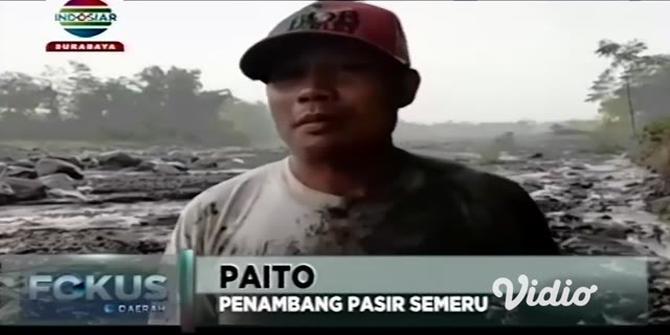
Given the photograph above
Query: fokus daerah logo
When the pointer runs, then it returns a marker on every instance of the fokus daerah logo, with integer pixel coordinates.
(85, 19)
(86, 296)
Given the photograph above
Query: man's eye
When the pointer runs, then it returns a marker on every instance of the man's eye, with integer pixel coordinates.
(357, 67)
(286, 73)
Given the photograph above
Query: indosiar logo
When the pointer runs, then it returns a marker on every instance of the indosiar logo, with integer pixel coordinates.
(86, 18)
(83, 296)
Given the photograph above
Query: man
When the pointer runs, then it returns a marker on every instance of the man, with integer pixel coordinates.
(336, 74)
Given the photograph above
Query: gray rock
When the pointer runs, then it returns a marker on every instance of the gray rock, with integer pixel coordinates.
(582, 184)
(207, 163)
(184, 157)
(601, 245)
(89, 162)
(21, 172)
(117, 160)
(584, 226)
(663, 268)
(3, 168)
(178, 165)
(47, 166)
(24, 163)
(600, 208)
(6, 191)
(4, 199)
(531, 185)
(71, 194)
(233, 163)
(662, 311)
(569, 217)
(660, 320)
(550, 204)
(659, 205)
(161, 167)
(166, 169)
(617, 231)
(26, 189)
(58, 181)
(579, 193)
(85, 189)
(145, 166)
(70, 159)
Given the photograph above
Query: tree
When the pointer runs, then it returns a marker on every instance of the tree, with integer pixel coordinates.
(652, 94)
(153, 105)
(252, 119)
(626, 68)
(19, 93)
(121, 110)
(23, 99)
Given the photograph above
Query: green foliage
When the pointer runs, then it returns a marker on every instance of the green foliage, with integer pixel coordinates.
(154, 105)
(614, 134)
(252, 119)
(611, 140)
(655, 134)
(583, 125)
(650, 95)
(623, 89)
(654, 147)
(632, 93)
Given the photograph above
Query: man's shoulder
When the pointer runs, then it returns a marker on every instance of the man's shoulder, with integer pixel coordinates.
(446, 173)
(473, 212)
(479, 189)
(251, 179)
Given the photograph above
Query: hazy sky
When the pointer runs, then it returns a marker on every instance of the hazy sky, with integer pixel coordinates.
(480, 61)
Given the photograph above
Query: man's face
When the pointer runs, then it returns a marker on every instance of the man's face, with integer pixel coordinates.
(331, 98)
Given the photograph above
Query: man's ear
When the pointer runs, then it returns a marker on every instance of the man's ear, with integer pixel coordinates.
(408, 87)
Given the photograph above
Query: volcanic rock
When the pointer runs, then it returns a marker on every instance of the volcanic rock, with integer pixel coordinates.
(47, 166)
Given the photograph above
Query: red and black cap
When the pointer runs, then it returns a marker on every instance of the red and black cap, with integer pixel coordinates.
(372, 26)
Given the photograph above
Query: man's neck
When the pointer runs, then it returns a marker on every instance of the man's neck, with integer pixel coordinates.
(354, 176)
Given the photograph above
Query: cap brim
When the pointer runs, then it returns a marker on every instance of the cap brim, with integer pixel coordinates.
(257, 62)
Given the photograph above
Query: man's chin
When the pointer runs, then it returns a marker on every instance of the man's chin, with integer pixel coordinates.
(322, 146)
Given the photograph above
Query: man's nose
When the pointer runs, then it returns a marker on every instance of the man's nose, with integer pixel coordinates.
(319, 85)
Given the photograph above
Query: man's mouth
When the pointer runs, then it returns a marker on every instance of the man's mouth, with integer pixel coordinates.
(315, 120)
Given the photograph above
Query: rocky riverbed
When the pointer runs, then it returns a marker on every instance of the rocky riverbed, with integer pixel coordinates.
(120, 201)
(127, 201)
